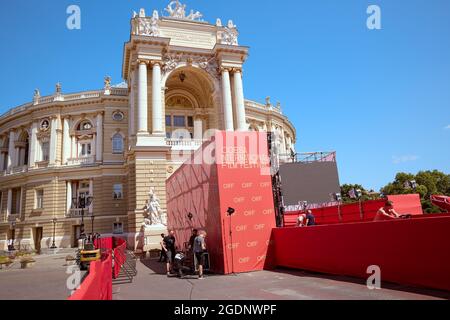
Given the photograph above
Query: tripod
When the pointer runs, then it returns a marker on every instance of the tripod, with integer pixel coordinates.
(230, 212)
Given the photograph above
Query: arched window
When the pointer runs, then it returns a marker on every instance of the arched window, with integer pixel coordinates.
(117, 143)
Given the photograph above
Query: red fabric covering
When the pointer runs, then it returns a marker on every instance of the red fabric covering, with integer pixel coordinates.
(410, 252)
(207, 190)
(403, 204)
(119, 256)
(442, 202)
(98, 283)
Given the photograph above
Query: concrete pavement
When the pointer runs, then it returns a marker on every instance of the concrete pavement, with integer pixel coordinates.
(152, 283)
(46, 280)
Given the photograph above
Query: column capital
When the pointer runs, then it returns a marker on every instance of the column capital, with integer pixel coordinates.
(224, 69)
(236, 70)
(142, 61)
(156, 62)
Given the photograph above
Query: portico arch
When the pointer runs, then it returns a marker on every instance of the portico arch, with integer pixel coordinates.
(191, 92)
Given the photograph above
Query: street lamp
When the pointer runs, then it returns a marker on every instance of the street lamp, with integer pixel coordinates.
(13, 235)
(92, 221)
(338, 198)
(81, 203)
(54, 231)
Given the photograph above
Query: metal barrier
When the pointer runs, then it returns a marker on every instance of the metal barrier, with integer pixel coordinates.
(116, 263)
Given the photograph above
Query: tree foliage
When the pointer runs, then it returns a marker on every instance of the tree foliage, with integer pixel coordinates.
(366, 194)
(428, 183)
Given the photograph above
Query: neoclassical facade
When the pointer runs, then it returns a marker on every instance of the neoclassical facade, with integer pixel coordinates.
(182, 78)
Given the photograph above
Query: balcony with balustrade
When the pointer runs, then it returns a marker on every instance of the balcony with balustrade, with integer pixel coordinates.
(184, 144)
(81, 161)
(78, 213)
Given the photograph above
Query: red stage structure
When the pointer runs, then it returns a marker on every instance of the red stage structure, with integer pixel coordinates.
(231, 170)
(412, 251)
(356, 212)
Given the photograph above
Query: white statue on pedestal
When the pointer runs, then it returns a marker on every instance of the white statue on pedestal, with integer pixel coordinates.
(155, 216)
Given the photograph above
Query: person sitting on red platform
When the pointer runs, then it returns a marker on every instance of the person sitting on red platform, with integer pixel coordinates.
(387, 212)
(301, 220)
(310, 219)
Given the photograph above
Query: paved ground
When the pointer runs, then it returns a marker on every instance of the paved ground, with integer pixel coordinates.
(152, 283)
(46, 280)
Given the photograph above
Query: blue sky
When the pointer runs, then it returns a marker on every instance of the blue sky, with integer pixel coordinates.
(380, 98)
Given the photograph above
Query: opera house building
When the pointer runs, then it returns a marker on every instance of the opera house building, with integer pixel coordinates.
(74, 163)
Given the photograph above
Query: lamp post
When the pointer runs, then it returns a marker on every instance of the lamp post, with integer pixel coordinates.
(13, 235)
(54, 233)
(230, 212)
(338, 197)
(92, 221)
(81, 203)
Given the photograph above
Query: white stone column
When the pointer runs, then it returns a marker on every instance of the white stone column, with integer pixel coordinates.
(94, 147)
(91, 193)
(67, 143)
(131, 118)
(20, 202)
(283, 142)
(74, 148)
(68, 196)
(33, 145)
(99, 142)
(227, 104)
(142, 99)
(9, 203)
(157, 110)
(11, 150)
(198, 128)
(239, 98)
(52, 159)
(2, 157)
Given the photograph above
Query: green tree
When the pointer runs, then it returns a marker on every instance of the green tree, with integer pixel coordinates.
(428, 183)
(366, 194)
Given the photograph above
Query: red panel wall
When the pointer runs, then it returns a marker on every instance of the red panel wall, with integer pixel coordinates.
(403, 204)
(238, 178)
(407, 203)
(411, 252)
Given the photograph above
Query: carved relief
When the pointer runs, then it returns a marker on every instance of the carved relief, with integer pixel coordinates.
(146, 26)
(171, 61)
(229, 35)
(179, 101)
(178, 11)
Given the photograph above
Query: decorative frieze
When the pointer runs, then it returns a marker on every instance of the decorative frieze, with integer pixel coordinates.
(173, 60)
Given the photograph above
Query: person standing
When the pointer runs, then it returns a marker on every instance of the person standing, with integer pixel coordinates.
(199, 252)
(169, 248)
(163, 255)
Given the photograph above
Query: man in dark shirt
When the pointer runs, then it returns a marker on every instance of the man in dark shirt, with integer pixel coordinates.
(163, 255)
(199, 250)
(192, 238)
(310, 219)
(169, 248)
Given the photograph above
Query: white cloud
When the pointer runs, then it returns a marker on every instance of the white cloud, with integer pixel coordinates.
(403, 159)
(447, 127)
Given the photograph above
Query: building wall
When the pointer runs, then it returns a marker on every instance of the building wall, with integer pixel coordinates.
(137, 171)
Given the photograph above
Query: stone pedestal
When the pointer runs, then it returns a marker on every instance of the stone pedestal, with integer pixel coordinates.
(152, 237)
